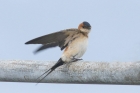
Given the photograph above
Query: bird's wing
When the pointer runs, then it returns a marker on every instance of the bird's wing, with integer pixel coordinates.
(61, 39)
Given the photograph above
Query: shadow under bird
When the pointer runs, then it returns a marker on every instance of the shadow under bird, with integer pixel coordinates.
(73, 41)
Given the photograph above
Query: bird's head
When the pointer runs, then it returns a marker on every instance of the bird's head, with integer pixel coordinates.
(84, 27)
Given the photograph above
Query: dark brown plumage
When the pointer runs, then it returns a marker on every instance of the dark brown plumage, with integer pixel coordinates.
(61, 39)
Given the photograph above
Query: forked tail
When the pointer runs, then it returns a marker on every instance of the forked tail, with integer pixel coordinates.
(59, 63)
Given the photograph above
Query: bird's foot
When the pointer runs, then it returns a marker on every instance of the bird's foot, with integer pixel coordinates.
(76, 59)
(66, 69)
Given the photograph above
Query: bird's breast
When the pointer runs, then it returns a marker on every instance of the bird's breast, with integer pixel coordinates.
(75, 49)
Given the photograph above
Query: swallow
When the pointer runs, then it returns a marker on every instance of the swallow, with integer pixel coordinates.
(73, 41)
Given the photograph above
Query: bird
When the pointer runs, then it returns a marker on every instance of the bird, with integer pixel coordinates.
(73, 41)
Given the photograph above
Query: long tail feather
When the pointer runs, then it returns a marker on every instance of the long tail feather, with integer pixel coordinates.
(49, 71)
(59, 63)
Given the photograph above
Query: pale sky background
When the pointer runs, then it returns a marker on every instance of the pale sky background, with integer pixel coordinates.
(115, 36)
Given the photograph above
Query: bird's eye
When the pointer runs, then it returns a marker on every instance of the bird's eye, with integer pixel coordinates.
(83, 27)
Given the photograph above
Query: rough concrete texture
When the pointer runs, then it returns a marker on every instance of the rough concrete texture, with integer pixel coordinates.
(82, 72)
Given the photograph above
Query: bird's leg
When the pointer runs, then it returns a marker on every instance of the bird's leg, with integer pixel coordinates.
(69, 63)
(75, 59)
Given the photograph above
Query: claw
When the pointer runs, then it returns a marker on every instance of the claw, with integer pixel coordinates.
(75, 59)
